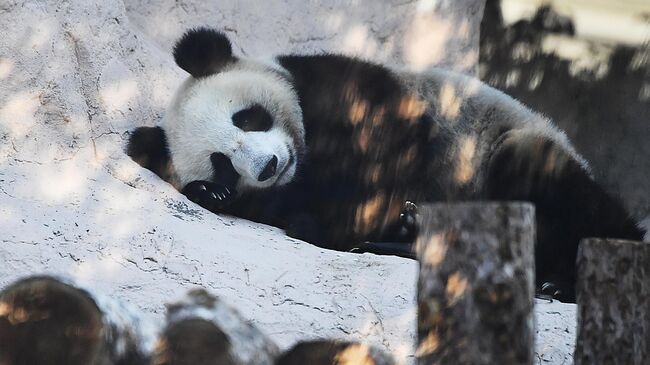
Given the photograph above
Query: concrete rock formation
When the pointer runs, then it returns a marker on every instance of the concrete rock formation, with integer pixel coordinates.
(76, 75)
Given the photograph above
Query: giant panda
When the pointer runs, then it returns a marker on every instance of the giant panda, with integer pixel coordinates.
(336, 151)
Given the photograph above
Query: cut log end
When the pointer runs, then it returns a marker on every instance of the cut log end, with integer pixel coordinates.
(202, 329)
(44, 321)
(193, 341)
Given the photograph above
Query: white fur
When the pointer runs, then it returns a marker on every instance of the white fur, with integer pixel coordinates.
(199, 123)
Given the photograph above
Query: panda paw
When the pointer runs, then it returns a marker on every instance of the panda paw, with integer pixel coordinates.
(407, 226)
(211, 196)
(408, 216)
(402, 249)
(563, 291)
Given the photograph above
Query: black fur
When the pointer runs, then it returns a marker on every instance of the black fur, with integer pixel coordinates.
(224, 171)
(569, 205)
(210, 195)
(148, 147)
(219, 193)
(253, 119)
(348, 105)
(203, 52)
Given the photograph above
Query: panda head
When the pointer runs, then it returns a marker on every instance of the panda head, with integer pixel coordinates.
(240, 111)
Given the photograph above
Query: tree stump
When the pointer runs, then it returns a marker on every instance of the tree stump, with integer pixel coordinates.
(613, 297)
(46, 321)
(476, 283)
(203, 330)
(332, 352)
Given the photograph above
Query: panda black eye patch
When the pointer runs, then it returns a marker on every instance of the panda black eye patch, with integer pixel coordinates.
(253, 119)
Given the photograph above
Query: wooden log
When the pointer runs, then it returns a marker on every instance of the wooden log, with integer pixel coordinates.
(44, 320)
(202, 330)
(476, 283)
(332, 352)
(613, 297)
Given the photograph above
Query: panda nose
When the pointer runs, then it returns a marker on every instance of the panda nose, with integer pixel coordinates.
(269, 170)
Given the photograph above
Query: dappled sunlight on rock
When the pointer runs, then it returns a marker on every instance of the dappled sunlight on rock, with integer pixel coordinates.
(77, 127)
(124, 201)
(6, 213)
(159, 87)
(98, 268)
(119, 88)
(427, 6)
(424, 43)
(17, 113)
(40, 35)
(61, 181)
(358, 41)
(127, 171)
(6, 67)
(334, 21)
(122, 227)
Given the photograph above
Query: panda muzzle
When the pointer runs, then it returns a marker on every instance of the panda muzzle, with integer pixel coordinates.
(269, 170)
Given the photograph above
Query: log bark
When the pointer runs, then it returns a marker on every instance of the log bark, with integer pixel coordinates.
(45, 320)
(476, 283)
(613, 297)
(329, 352)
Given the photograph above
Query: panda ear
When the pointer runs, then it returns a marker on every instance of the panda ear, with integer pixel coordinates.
(148, 147)
(203, 52)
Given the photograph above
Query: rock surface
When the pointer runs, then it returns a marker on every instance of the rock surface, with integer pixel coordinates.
(75, 76)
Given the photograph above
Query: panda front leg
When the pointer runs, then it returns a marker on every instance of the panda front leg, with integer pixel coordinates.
(219, 193)
(399, 237)
(569, 204)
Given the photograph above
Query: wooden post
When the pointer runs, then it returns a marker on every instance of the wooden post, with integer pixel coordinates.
(328, 352)
(45, 321)
(203, 330)
(476, 283)
(613, 297)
